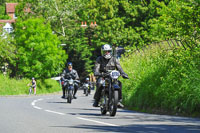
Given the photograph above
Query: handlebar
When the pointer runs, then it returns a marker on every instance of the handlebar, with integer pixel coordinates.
(77, 81)
(105, 74)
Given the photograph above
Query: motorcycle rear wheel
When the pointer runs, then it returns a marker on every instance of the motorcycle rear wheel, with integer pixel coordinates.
(103, 105)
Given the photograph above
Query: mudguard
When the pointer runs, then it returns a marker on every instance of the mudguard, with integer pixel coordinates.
(71, 87)
(115, 86)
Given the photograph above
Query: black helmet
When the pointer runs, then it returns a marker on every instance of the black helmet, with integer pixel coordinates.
(106, 51)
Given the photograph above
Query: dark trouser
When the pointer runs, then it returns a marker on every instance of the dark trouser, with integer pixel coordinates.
(75, 89)
(99, 88)
(63, 89)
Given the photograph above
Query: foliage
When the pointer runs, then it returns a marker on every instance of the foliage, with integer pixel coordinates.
(12, 86)
(120, 22)
(123, 22)
(64, 23)
(163, 81)
(38, 51)
(179, 19)
(2, 12)
(7, 50)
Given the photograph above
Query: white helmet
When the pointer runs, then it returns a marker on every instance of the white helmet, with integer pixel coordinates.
(106, 51)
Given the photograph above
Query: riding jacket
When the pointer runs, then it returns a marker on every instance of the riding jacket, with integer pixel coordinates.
(102, 65)
(70, 74)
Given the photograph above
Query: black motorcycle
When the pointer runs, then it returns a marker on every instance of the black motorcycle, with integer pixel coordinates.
(110, 93)
(69, 88)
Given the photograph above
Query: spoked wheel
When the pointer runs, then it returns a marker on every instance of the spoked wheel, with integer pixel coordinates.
(103, 105)
(69, 98)
(30, 90)
(113, 103)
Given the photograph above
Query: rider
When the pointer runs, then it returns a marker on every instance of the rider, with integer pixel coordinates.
(69, 73)
(104, 63)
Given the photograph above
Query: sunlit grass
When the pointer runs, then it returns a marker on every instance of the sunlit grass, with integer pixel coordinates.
(162, 80)
(9, 86)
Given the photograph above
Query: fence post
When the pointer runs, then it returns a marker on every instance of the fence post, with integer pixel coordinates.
(172, 42)
(168, 43)
(188, 44)
(183, 44)
(177, 42)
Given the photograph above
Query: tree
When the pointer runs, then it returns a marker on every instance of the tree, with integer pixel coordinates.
(178, 19)
(7, 50)
(65, 22)
(38, 50)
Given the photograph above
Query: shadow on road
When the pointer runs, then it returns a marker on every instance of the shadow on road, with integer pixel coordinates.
(142, 128)
(57, 102)
(86, 114)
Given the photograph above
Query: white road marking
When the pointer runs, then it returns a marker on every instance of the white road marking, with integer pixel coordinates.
(50, 111)
(55, 112)
(40, 99)
(103, 123)
(33, 103)
(37, 107)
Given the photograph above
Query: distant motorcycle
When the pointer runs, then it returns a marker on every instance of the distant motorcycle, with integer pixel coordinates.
(86, 88)
(69, 88)
(109, 96)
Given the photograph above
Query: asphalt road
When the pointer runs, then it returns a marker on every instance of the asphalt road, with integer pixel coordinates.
(51, 114)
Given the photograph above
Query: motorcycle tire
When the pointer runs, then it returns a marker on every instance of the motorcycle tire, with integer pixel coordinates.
(113, 103)
(103, 106)
(86, 93)
(69, 98)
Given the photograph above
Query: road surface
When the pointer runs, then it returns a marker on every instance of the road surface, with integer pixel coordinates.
(51, 114)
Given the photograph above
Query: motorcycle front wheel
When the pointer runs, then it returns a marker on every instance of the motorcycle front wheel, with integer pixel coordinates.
(69, 98)
(86, 92)
(113, 103)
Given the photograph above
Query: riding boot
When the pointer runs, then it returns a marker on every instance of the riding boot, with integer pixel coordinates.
(75, 90)
(63, 90)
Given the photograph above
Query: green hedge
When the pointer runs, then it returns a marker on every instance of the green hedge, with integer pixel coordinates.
(165, 81)
(10, 86)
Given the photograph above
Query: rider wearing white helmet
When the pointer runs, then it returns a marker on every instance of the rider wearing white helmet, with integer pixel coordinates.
(104, 63)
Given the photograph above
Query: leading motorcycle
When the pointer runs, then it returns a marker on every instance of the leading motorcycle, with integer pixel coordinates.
(110, 93)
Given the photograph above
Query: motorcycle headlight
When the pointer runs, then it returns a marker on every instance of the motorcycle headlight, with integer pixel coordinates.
(114, 74)
(70, 82)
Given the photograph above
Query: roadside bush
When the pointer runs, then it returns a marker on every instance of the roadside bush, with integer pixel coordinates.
(163, 81)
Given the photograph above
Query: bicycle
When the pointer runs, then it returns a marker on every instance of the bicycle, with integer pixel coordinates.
(30, 90)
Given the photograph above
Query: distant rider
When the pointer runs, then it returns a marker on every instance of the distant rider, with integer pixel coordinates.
(87, 81)
(69, 73)
(104, 63)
